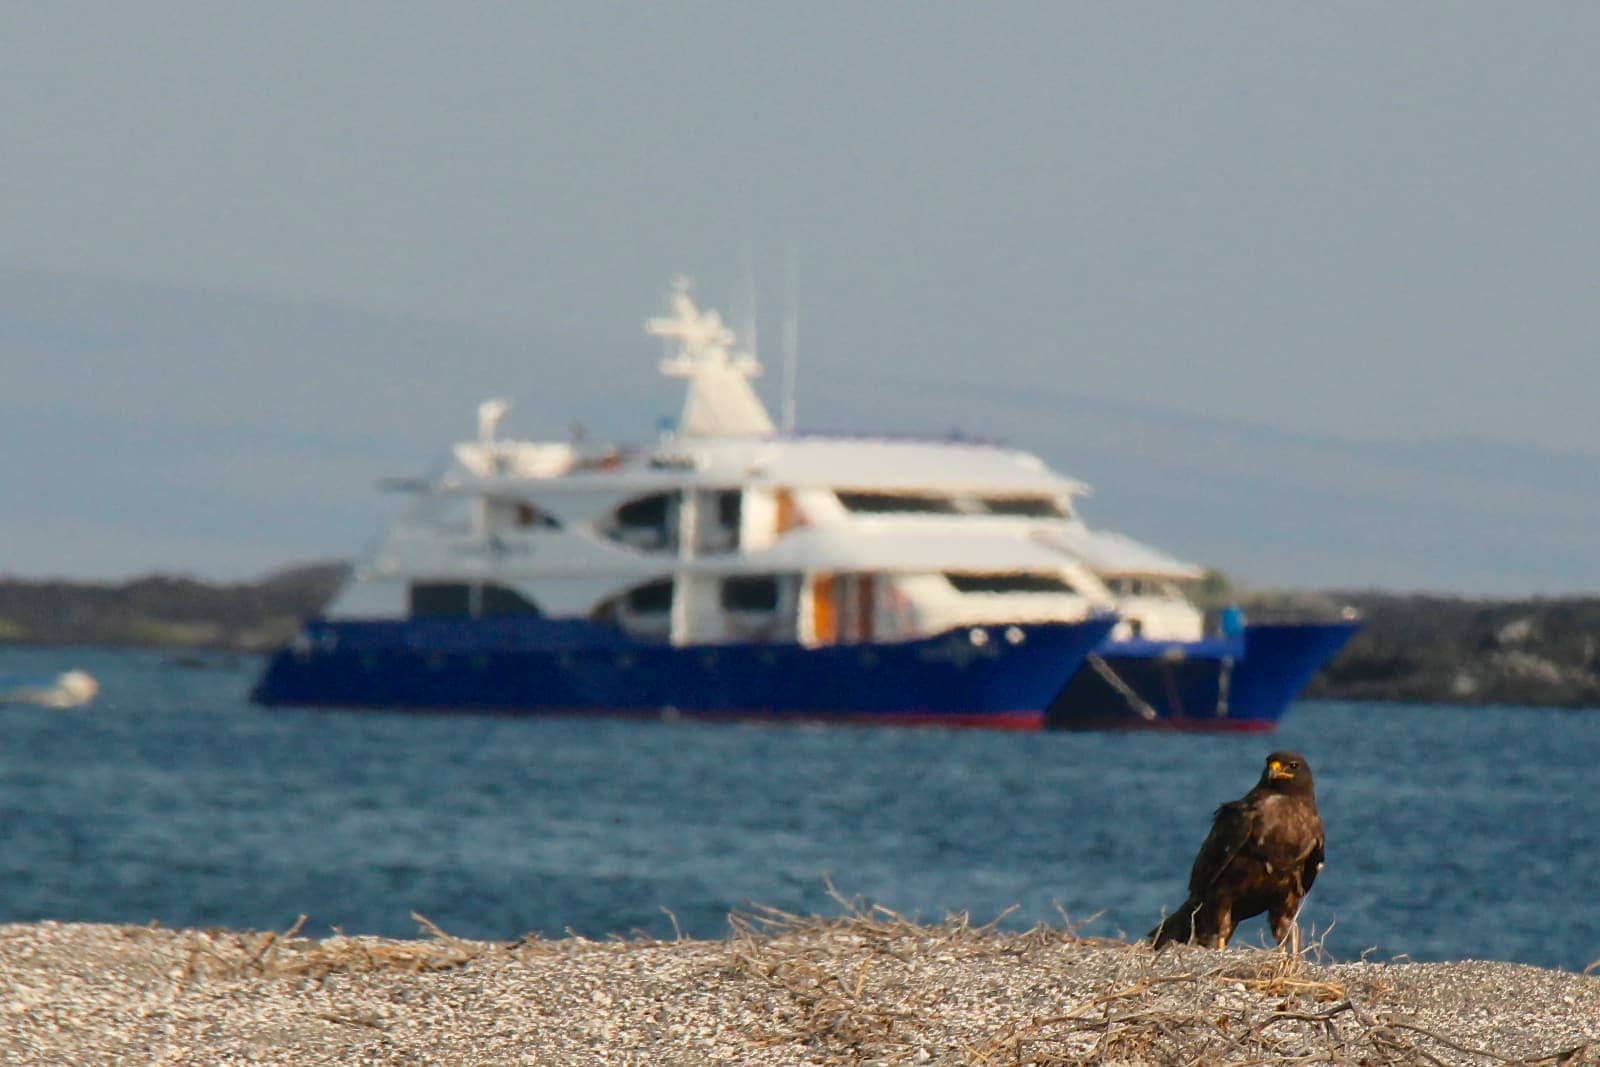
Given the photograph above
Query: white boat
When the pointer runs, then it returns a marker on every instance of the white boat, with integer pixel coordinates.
(69, 689)
(730, 570)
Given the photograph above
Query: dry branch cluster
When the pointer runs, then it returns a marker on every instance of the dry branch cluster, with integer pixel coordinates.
(876, 988)
(868, 988)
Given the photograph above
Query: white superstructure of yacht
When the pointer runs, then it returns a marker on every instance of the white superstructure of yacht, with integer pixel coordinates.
(725, 530)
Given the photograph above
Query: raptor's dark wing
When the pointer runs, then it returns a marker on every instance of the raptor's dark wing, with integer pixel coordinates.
(1231, 829)
(1314, 858)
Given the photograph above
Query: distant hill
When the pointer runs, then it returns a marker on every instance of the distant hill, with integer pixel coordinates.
(166, 610)
(1449, 650)
(1429, 648)
(1416, 648)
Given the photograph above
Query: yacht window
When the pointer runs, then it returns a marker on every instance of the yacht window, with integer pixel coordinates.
(1015, 582)
(654, 598)
(1034, 507)
(892, 503)
(498, 600)
(433, 599)
(646, 511)
(729, 504)
(756, 592)
(447, 599)
(646, 523)
(1134, 587)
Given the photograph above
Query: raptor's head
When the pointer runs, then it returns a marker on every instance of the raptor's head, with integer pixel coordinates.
(1287, 772)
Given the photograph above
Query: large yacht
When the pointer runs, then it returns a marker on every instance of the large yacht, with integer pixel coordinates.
(729, 570)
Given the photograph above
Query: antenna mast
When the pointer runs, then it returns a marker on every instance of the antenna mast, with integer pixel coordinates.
(748, 313)
(791, 344)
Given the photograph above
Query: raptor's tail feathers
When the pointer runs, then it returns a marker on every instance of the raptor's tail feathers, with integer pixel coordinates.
(1182, 925)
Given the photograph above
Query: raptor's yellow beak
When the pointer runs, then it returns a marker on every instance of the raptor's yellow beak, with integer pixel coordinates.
(1277, 770)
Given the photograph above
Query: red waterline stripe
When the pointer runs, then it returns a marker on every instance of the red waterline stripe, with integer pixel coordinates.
(1123, 723)
(998, 720)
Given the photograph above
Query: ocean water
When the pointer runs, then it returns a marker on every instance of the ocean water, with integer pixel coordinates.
(1452, 833)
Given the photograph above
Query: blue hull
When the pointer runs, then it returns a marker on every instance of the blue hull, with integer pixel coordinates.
(539, 666)
(1237, 684)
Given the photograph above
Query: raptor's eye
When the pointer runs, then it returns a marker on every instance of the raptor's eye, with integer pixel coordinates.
(1294, 765)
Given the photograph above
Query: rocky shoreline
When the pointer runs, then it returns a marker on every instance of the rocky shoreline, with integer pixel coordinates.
(1447, 650)
(1418, 648)
(869, 988)
(166, 611)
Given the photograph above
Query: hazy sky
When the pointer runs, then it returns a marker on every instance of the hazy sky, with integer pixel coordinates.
(1365, 223)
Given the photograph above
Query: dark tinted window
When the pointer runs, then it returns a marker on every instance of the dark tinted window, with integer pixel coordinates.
(1039, 507)
(648, 511)
(498, 600)
(440, 598)
(889, 503)
(728, 506)
(1009, 583)
(652, 599)
(757, 592)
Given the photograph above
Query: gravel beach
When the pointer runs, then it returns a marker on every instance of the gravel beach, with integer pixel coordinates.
(868, 988)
